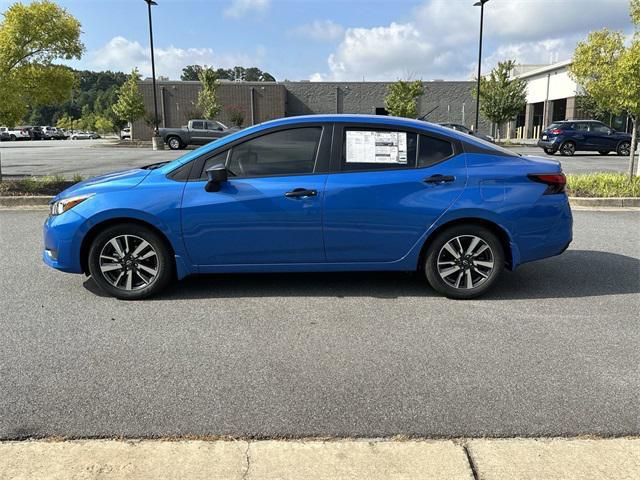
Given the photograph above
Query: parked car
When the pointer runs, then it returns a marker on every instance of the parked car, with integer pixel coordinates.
(316, 193)
(93, 135)
(35, 133)
(125, 133)
(570, 136)
(4, 136)
(17, 133)
(80, 135)
(468, 131)
(197, 132)
(52, 133)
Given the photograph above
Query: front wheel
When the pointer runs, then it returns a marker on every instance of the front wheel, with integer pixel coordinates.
(464, 262)
(130, 262)
(624, 149)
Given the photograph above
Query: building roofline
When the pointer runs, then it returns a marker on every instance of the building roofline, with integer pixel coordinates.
(545, 69)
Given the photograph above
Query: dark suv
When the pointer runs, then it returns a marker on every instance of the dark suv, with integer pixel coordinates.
(569, 136)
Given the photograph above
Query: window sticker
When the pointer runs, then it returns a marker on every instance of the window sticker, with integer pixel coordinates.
(376, 147)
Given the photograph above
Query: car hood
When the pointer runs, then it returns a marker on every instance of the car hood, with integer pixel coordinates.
(106, 183)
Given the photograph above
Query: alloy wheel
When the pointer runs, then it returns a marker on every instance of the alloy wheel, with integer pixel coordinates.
(174, 144)
(568, 148)
(465, 262)
(624, 149)
(129, 262)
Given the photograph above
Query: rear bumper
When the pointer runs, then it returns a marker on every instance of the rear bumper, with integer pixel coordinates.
(552, 144)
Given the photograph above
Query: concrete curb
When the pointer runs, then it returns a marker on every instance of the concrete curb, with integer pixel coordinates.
(25, 201)
(605, 202)
(624, 202)
(373, 459)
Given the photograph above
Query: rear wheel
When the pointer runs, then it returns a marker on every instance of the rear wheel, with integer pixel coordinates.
(174, 143)
(464, 261)
(549, 151)
(568, 149)
(130, 262)
(12, 137)
(603, 152)
(624, 149)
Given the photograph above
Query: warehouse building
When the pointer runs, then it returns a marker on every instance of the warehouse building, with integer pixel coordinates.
(256, 102)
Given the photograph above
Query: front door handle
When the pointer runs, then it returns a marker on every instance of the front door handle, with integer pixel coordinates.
(438, 179)
(301, 193)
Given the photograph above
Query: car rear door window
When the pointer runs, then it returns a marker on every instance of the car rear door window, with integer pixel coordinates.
(367, 149)
(285, 152)
(581, 126)
(433, 150)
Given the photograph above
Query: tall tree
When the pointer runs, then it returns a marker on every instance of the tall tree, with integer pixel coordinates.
(130, 104)
(207, 99)
(501, 97)
(609, 72)
(32, 37)
(190, 73)
(401, 98)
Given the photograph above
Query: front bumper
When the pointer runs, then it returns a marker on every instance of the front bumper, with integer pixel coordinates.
(62, 241)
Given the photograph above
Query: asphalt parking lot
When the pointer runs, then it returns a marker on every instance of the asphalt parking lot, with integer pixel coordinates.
(94, 157)
(552, 351)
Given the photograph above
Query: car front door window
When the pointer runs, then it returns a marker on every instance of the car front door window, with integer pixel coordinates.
(285, 152)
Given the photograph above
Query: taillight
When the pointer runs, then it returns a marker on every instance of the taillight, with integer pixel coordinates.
(555, 131)
(556, 182)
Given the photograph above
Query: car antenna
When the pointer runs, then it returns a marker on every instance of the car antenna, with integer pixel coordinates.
(428, 113)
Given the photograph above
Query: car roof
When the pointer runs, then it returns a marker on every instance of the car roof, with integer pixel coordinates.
(333, 118)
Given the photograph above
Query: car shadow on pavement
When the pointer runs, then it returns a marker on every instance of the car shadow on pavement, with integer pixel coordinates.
(575, 273)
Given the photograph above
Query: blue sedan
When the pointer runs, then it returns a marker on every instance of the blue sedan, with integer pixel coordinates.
(316, 194)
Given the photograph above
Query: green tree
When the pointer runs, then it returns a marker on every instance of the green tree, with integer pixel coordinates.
(190, 73)
(207, 100)
(401, 98)
(130, 104)
(609, 72)
(104, 124)
(32, 38)
(501, 97)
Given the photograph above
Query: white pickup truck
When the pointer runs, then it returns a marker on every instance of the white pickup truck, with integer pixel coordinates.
(14, 133)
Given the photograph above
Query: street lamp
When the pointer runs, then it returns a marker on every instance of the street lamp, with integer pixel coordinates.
(479, 3)
(153, 71)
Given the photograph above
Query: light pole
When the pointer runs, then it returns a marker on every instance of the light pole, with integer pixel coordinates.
(479, 3)
(153, 74)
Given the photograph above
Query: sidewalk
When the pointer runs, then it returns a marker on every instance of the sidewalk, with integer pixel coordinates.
(513, 459)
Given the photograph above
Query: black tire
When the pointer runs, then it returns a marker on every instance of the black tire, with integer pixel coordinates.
(161, 262)
(549, 151)
(175, 143)
(624, 149)
(603, 152)
(567, 149)
(437, 250)
(12, 137)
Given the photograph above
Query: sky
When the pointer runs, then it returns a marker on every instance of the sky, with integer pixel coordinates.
(336, 40)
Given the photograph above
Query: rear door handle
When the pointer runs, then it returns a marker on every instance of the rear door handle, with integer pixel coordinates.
(301, 193)
(438, 179)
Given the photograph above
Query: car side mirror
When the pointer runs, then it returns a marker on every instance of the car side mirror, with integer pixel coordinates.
(611, 132)
(216, 175)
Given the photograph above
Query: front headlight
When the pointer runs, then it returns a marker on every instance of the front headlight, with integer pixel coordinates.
(61, 206)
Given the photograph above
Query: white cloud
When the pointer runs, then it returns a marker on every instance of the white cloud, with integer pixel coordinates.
(123, 55)
(242, 8)
(440, 39)
(320, 31)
